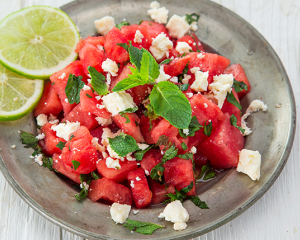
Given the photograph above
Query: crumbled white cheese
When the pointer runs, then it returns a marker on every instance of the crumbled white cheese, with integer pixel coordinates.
(161, 46)
(119, 212)
(254, 106)
(13, 146)
(220, 87)
(85, 88)
(108, 79)
(104, 121)
(147, 172)
(200, 56)
(185, 131)
(100, 47)
(39, 159)
(96, 144)
(113, 154)
(195, 69)
(64, 130)
(190, 95)
(174, 79)
(62, 76)
(193, 150)
(162, 75)
(138, 37)
(183, 47)
(40, 136)
(111, 163)
(135, 212)
(118, 101)
(104, 25)
(66, 100)
(142, 146)
(98, 97)
(84, 185)
(41, 120)
(186, 78)
(200, 84)
(177, 26)
(249, 163)
(129, 157)
(158, 14)
(194, 26)
(100, 106)
(176, 213)
(110, 66)
(107, 133)
(138, 179)
(132, 184)
(205, 105)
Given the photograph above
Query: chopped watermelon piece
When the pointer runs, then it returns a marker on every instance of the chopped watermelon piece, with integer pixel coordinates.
(193, 41)
(97, 132)
(95, 41)
(110, 191)
(123, 73)
(117, 175)
(175, 67)
(139, 187)
(223, 146)
(154, 28)
(179, 173)
(129, 34)
(159, 191)
(150, 160)
(49, 103)
(239, 74)
(139, 93)
(145, 126)
(231, 109)
(200, 159)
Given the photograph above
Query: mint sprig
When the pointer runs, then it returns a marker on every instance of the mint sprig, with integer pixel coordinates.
(190, 18)
(145, 228)
(233, 121)
(231, 99)
(239, 86)
(194, 126)
(140, 153)
(123, 144)
(73, 87)
(61, 145)
(121, 24)
(98, 81)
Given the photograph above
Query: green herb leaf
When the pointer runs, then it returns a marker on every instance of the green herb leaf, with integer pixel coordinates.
(162, 140)
(29, 140)
(179, 195)
(73, 87)
(61, 145)
(169, 154)
(187, 189)
(185, 71)
(190, 18)
(231, 99)
(71, 137)
(128, 110)
(95, 175)
(209, 175)
(98, 81)
(145, 228)
(184, 146)
(186, 156)
(140, 153)
(47, 162)
(204, 169)
(121, 24)
(123, 144)
(89, 96)
(149, 113)
(183, 87)
(123, 45)
(233, 121)
(170, 103)
(76, 164)
(207, 128)
(166, 61)
(85, 179)
(239, 86)
(201, 204)
(194, 126)
(157, 173)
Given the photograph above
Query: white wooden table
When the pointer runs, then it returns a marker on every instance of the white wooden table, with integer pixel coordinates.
(276, 215)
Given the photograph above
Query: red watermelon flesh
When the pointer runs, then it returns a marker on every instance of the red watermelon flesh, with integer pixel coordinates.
(85, 119)
(159, 191)
(49, 103)
(113, 51)
(139, 93)
(60, 79)
(154, 28)
(50, 140)
(193, 41)
(130, 128)
(150, 160)
(175, 67)
(80, 149)
(129, 34)
(123, 73)
(59, 166)
(223, 146)
(231, 109)
(192, 141)
(91, 56)
(110, 191)
(117, 175)
(95, 41)
(239, 74)
(145, 126)
(179, 173)
(139, 187)
(200, 159)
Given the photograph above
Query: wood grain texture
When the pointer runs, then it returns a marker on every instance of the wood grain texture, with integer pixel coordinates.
(276, 215)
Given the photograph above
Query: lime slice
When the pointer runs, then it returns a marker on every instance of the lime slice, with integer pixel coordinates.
(18, 95)
(37, 41)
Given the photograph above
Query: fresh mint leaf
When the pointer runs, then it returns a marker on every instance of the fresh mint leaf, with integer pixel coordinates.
(123, 45)
(73, 87)
(29, 140)
(128, 110)
(231, 99)
(233, 121)
(166, 61)
(183, 87)
(169, 154)
(207, 128)
(157, 173)
(190, 18)
(76, 164)
(61, 145)
(184, 146)
(98, 81)
(121, 24)
(194, 126)
(123, 144)
(149, 113)
(185, 71)
(71, 137)
(206, 173)
(85, 180)
(162, 140)
(47, 162)
(95, 175)
(187, 189)
(180, 195)
(149, 67)
(205, 168)
(145, 228)
(140, 153)
(186, 156)
(89, 96)
(209, 175)
(136, 56)
(140, 22)
(201, 204)
(170, 103)
(239, 86)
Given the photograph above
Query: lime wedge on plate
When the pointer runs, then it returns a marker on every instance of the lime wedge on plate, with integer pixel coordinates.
(18, 95)
(37, 41)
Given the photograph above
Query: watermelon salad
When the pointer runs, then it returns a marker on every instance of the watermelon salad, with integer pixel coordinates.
(143, 115)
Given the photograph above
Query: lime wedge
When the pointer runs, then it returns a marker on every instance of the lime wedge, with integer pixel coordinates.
(37, 41)
(18, 95)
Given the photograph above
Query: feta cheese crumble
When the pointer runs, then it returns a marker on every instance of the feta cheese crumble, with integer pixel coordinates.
(176, 213)
(119, 212)
(177, 26)
(64, 130)
(104, 25)
(111, 163)
(200, 84)
(107, 133)
(190, 95)
(183, 47)
(160, 46)
(249, 163)
(39, 159)
(158, 14)
(85, 88)
(110, 66)
(142, 146)
(41, 120)
(193, 150)
(185, 131)
(186, 78)
(118, 101)
(40, 136)
(174, 79)
(138, 37)
(162, 75)
(103, 121)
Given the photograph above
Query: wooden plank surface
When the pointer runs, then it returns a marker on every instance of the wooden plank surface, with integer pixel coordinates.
(276, 215)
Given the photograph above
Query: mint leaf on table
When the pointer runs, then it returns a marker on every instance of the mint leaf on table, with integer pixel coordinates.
(206, 173)
(233, 121)
(139, 154)
(128, 110)
(209, 175)
(98, 81)
(142, 227)
(85, 180)
(201, 204)
(231, 99)
(170, 103)
(73, 87)
(95, 175)
(61, 145)
(239, 86)
(190, 18)
(194, 126)
(121, 24)
(123, 144)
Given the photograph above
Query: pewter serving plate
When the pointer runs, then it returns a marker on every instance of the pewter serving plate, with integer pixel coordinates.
(231, 192)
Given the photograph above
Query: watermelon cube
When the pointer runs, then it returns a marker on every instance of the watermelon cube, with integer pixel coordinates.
(231, 109)
(154, 28)
(175, 67)
(150, 160)
(145, 126)
(129, 33)
(193, 41)
(95, 41)
(159, 191)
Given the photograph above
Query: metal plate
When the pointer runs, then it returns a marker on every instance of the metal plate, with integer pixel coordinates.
(228, 195)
